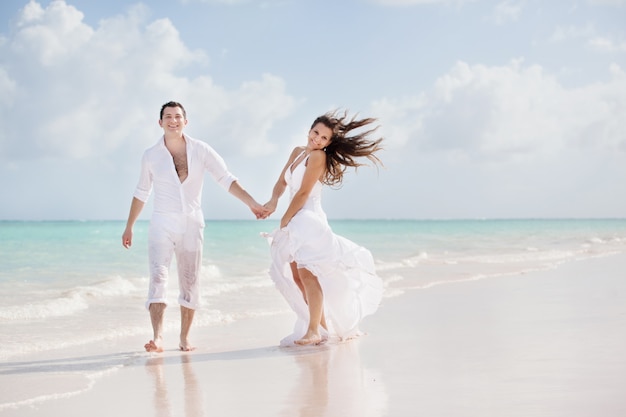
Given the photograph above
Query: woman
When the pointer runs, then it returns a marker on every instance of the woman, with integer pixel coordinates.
(329, 281)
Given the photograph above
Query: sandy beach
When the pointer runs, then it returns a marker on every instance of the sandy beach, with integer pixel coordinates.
(549, 343)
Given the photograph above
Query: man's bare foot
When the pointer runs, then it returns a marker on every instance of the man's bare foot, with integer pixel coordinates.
(186, 347)
(151, 346)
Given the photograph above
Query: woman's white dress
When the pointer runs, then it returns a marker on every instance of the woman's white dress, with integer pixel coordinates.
(345, 270)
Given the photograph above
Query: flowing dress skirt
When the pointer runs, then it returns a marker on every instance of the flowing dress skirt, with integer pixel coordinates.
(345, 271)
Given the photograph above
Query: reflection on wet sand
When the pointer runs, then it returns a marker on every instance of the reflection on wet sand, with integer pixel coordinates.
(315, 381)
(154, 366)
(332, 382)
(192, 394)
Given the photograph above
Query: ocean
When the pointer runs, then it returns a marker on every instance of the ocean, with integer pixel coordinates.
(69, 284)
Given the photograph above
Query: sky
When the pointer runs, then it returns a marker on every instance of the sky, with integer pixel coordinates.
(488, 109)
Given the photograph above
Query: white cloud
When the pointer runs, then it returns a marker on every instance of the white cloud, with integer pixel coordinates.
(406, 2)
(239, 121)
(511, 112)
(260, 3)
(507, 10)
(401, 119)
(420, 2)
(8, 88)
(608, 2)
(603, 44)
(565, 33)
(52, 34)
(588, 33)
(89, 91)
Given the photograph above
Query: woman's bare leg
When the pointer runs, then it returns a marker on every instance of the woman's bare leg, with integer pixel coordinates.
(315, 301)
(296, 278)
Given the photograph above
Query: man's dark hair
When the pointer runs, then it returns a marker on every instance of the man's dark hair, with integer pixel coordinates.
(172, 104)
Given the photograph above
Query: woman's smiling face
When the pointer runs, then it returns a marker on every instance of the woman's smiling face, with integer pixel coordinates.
(319, 136)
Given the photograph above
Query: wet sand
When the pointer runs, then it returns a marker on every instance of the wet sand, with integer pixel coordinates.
(548, 343)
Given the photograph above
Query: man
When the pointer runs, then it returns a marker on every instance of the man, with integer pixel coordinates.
(174, 168)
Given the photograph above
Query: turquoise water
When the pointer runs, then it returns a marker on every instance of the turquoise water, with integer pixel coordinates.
(50, 251)
(56, 277)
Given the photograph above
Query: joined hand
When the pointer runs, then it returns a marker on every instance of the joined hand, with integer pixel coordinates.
(261, 212)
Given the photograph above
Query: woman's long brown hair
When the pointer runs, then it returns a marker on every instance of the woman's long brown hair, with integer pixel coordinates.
(344, 148)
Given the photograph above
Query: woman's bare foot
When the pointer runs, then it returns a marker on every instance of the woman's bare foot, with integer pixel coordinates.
(309, 339)
(151, 346)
